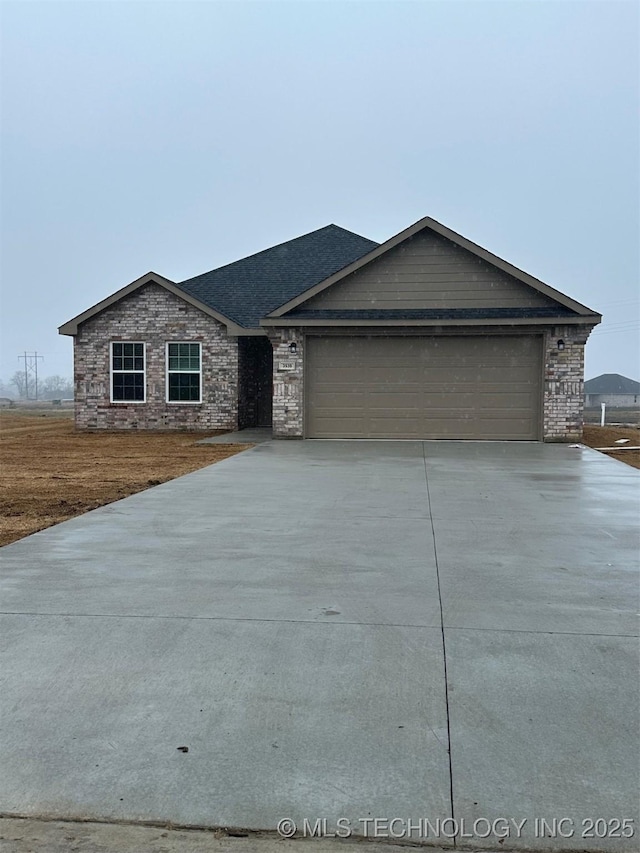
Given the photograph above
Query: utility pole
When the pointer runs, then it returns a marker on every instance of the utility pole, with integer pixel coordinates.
(30, 370)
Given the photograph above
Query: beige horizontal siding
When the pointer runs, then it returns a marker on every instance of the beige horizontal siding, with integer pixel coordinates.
(429, 271)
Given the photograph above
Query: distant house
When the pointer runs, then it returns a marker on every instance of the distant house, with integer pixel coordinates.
(331, 335)
(612, 389)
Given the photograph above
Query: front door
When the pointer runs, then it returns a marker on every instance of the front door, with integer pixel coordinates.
(264, 382)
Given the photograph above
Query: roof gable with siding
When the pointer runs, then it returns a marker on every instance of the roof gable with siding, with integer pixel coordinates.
(429, 271)
(429, 267)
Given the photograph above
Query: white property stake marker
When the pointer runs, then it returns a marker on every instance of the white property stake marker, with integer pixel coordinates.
(603, 407)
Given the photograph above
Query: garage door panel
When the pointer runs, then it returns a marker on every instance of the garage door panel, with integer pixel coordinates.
(401, 400)
(504, 403)
(334, 375)
(471, 403)
(420, 387)
(493, 428)
(349, 427)
(392, 374)
(396, 428)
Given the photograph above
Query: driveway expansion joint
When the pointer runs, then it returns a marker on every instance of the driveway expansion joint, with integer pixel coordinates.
(442, 631)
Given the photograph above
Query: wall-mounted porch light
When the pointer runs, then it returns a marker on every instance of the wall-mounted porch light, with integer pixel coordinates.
(293, 347)
(560, 344)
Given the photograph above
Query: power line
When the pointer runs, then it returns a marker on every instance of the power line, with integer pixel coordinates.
(30, 360)
(623, 324)
(634, 329)
(630, 322)
(630, 301)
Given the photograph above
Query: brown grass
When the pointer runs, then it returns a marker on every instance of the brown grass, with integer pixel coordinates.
(49, 472)
(597, 436)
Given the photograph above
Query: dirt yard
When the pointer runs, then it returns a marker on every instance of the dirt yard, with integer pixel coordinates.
(596, 436)
(49, 472)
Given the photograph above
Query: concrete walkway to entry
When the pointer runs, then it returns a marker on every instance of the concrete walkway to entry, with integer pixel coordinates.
(255, 435)
(314, 621)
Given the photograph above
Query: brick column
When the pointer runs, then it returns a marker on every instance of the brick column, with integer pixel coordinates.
(288, 399)
(564, 383)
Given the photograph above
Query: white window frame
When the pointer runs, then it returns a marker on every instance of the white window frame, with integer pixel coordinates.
(143, 371)
(167, 372)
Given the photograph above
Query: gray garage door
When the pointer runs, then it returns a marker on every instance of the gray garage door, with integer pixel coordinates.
(419, 387)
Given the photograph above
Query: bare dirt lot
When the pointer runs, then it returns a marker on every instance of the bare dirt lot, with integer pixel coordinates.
(596, 436)
(49, 472)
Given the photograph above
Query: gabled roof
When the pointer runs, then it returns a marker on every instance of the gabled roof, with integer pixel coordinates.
(71, 326)
(249, 289)
(271, 286)
(611, 383)
(240, 293)
(297, 301)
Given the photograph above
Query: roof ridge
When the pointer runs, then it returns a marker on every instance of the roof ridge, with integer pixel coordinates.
(277, 246)
(619, 375)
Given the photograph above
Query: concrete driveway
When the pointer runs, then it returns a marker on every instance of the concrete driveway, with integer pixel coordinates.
(315, 621)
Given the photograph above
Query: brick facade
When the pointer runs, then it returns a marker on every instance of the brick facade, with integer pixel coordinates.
(155, 316)
(288, 386)
(563, 402)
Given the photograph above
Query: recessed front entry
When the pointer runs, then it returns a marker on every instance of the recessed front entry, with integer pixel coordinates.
(466, 387)
(255, 367)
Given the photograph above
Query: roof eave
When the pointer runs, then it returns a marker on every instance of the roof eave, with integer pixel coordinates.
(583, 320)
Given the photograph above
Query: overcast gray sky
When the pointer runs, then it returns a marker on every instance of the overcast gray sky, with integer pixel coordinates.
(179, 136)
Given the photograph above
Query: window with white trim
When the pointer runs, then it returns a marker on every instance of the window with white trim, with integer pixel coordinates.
(184, 373)
(127, 372)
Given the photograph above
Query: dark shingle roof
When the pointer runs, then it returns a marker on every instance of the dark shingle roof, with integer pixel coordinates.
(247, 290)
(611, 383)
(427, 313)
